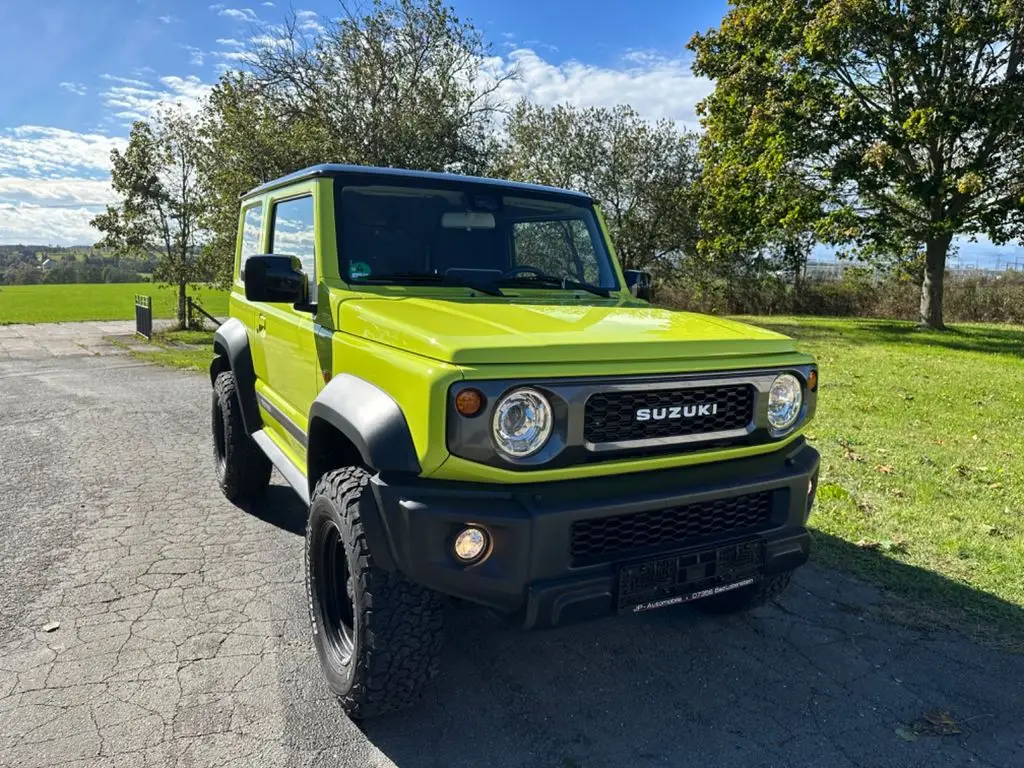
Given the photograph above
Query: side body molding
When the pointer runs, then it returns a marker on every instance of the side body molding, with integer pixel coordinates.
(370, 418)
(231, 345)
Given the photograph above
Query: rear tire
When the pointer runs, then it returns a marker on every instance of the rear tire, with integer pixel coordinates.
(377, 634)
(746, 598)
(243, 471)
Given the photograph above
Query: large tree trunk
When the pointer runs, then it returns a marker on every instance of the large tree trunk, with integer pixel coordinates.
(182, 320)
(931, 287)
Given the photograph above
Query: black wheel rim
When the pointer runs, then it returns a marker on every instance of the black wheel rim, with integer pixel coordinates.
(219, 435)
(334, 595)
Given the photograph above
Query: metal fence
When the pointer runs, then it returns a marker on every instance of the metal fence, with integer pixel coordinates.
(144, 315)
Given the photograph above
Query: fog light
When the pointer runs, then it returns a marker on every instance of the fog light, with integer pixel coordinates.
(471, 544)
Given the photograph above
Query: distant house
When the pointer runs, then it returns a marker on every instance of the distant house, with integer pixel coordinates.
(47, 264)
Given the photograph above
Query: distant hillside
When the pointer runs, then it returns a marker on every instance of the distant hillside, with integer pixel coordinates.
(33, 264)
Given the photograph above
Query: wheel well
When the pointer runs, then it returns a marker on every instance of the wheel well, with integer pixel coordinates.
(328, 449)
(219, 363)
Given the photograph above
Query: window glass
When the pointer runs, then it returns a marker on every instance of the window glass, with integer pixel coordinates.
(251, 243)
(395, 232)
(294, 235)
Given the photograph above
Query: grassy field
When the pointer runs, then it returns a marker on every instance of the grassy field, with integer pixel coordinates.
(922, 489)
(100, 301)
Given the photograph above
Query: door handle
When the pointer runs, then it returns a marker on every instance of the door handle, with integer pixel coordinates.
(261, 324)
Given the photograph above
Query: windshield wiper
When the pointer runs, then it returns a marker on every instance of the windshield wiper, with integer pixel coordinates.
(561, 282)
(430, 277)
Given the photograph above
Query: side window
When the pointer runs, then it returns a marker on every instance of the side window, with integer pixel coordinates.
(560, 247)
(293, 234)
(251, 242)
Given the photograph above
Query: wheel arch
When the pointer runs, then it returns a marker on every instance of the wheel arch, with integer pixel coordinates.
(232, 353)
(354, 419)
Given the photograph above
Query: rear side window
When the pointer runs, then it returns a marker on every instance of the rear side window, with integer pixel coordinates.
(251, 242)
(293, 234)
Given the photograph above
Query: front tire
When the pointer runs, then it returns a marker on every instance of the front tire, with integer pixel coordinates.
(243, 471)
(378, 635)
(746, 598)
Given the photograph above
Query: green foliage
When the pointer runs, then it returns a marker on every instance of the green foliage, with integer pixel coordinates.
(889, 125)
(400, 85)
(156, 178)
(73, 303)
(641, 174)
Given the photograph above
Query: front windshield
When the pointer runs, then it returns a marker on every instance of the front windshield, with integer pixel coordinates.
(398, 232)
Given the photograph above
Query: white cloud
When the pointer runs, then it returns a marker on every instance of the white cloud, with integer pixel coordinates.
(125, 80)
(195, 55)
(656, 86)
(34, 151)
(133, 102)
(238, 14)
(168, 19)
(76, 88)
(46, 226)
(268, 4)
(230, 42)
(56, 192)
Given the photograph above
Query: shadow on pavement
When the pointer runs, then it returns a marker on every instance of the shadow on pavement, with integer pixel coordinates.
(281, 507)
(814, 681)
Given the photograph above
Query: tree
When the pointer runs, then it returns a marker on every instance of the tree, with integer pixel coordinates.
(904, 116)
(640, 173)
(161, 205)
(402, 85)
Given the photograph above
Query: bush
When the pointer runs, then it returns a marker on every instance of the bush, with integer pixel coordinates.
(967, 298)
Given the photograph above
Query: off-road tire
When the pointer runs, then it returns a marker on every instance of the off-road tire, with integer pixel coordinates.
(396, 627)
(746, 598)
(243, 471)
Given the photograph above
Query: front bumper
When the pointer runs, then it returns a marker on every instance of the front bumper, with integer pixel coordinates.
(532, 570)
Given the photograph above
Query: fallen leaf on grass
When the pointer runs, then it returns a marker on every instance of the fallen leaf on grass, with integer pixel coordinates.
(995, 486)
(937, 722)
(885, 469)
(896, 547)
(866, 507)
(899, 493)
(995, 530)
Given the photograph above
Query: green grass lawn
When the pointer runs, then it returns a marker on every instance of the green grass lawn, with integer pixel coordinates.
(189, 350)
(922, 485)
(96, 301)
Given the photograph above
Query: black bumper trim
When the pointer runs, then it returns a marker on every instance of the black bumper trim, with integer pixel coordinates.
(530, 571)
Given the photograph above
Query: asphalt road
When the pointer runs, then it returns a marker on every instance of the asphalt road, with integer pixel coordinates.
(183, 639)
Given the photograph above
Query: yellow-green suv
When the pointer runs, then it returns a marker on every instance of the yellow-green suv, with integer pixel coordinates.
(477, 402)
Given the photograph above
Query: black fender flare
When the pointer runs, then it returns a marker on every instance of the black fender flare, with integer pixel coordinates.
(231, 347)
(370, 419)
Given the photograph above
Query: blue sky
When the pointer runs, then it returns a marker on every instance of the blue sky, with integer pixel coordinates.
(76, 73)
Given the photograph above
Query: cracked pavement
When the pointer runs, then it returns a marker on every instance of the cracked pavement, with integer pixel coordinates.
(183, 638)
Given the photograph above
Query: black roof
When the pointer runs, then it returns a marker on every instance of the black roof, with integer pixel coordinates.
(336, 169)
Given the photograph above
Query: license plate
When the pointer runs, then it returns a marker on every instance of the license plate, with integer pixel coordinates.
(690, 576)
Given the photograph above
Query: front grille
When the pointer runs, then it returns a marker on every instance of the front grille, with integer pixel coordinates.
(605, 538)
(611, 417)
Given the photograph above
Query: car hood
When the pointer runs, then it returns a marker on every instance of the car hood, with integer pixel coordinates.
(477, 332)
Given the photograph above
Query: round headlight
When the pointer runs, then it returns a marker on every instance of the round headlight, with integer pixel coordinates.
(522, 423)
(784, 401)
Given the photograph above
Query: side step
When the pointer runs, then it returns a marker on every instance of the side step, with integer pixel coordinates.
(296, 479)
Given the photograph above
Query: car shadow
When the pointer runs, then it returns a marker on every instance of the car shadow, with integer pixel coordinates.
(281, 507)
(819, 679)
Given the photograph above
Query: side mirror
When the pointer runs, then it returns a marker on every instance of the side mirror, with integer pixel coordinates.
(639, 283)
(275, 279)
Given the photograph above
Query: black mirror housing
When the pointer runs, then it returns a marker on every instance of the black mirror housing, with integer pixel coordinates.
(639, 283)
(275, 279)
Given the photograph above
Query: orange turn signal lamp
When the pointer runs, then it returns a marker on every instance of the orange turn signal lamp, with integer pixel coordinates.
(469, 402)
(812, 379)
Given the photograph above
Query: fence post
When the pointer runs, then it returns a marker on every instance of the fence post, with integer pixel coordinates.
(144, 315)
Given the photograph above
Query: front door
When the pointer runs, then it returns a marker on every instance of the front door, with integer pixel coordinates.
(289, 339)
